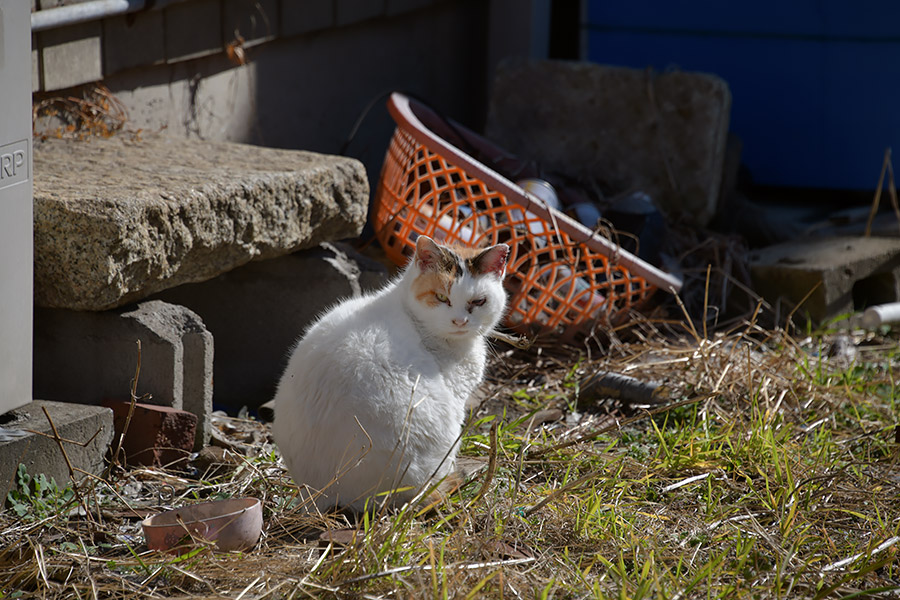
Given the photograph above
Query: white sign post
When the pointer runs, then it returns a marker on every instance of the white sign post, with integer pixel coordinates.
(16, 220)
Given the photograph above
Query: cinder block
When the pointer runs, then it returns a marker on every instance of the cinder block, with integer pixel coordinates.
(193, 29)
(156, 435)
(256, 21)
(841, 275)
(90, 357)
(256, 313)
(71, 55)
(303, 17)
(90, 427)
(134, 40)
(353, 11)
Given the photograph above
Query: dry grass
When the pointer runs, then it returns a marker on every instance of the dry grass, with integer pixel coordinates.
(775, 475)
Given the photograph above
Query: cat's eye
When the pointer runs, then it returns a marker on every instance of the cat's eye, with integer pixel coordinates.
(478, 302)
(442, 298)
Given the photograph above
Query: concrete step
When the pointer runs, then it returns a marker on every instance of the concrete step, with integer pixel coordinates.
(118, 219)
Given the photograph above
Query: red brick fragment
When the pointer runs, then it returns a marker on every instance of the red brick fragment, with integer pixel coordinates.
(157, 435)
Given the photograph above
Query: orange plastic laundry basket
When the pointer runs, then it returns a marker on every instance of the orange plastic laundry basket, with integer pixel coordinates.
(562, 277)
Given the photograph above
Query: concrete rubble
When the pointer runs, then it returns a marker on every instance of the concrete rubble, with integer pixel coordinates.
(91, 357)
(88, 429)
(830, 276)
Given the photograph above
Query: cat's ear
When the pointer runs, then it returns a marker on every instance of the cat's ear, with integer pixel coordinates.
(428, 253)
(492, 260)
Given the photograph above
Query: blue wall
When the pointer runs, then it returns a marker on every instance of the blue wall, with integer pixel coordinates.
(815, 83)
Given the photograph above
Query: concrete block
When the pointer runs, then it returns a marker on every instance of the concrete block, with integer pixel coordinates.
(348, 12)
(156, 435)
(845, 274)
(193, 29)
(257, 312)
(133, 40)
(118, 219)
(90, 357)
(91, 427)
(256, 21)
(71, 56)
(621, 129)
(303, 17)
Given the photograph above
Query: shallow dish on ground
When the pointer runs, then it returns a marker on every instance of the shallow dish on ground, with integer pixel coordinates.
(231, 524)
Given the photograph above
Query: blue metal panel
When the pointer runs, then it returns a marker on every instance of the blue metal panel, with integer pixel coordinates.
(814, 82)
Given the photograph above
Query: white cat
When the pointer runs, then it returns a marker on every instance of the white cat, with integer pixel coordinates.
(373, 397)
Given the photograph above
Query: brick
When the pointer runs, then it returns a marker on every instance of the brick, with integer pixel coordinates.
(91, 427)
(256, 21)
(134, 40)
(307, 16)
(71, 55)
(353, 11)
(89, 357)
(156, 435)
(843, 274)
(193, 29)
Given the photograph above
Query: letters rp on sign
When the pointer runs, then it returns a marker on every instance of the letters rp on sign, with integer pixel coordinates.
(13, 163)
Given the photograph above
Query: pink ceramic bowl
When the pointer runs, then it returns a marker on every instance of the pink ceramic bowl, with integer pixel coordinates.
(231, 524)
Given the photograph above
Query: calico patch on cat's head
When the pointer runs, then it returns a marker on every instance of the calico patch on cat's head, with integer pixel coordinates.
(458, 291)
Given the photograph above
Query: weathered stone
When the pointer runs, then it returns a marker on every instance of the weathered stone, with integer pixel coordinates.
(89, 427)
(90, 357)
(257, 312)
(118, 219)
(835, 275)
(662, 133)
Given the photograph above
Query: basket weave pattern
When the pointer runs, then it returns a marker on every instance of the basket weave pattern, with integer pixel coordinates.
(554, 282)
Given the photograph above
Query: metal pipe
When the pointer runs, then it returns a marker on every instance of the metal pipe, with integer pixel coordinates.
(73, 14)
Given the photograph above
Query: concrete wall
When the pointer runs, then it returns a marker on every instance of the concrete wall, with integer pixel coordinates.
(311, 67)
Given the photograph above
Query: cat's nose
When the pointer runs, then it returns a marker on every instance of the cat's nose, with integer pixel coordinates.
(460, 322)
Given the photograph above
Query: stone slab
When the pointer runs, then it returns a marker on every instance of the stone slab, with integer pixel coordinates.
(843, 274)
(90, 357)
(257, 312)
(118, 219)
(626, 129)
(88, 425)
